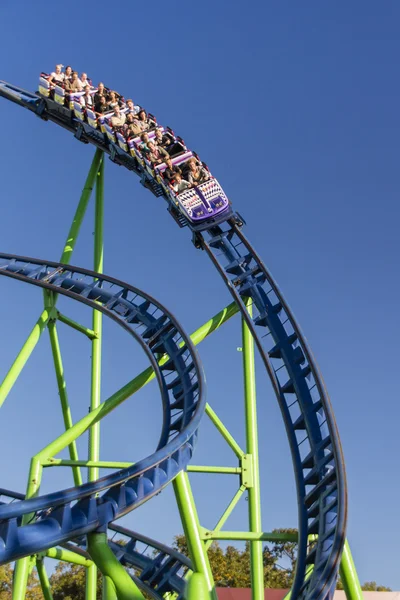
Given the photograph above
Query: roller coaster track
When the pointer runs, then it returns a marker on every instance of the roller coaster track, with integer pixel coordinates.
(61, 516)
(298, 385)
(158, 569)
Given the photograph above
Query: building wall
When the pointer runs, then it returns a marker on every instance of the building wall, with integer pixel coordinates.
(245, 594)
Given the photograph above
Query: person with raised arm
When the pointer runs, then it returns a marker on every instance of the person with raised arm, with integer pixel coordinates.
(57, 76)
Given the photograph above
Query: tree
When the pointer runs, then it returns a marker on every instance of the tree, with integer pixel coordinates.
(372, 586)
(33, 590)
(231, 567)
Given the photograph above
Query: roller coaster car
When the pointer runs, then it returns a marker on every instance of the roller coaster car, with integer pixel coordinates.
(206, 202)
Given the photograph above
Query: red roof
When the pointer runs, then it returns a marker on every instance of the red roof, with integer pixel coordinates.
(245, 594)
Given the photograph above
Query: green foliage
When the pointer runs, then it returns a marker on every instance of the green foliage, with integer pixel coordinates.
(231, 567)
(33, 592)
(372, 586)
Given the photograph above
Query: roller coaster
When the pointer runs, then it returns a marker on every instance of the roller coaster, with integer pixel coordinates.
(78, 524)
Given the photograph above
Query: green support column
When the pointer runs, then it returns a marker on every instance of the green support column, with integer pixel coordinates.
(24, 566)
(109, 565)
(81, 210)
(91, 583)
(109, 592)
(191, 527)
(24, 354)
(97, 322)
(44, 580)
(348, 575)
(94, 432)
(254, 496)
(62, 391)
(197, 587)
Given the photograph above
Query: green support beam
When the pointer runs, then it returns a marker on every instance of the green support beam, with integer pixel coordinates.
(25, 352)
(243, 536)
(77, 326)
(108, 592)
(191, 527)
(44, 580)
(218, 470)
(348, 575)
(224, 516)
(94, 431)
(254, 495)
(97, 326)
(62, 391)
(197, 587)
(67, 556)
(230, 440)
(72, 237)
(110, 566)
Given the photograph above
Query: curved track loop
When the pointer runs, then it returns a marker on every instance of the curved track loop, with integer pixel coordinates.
(304, 403)
(157, 568)
(63, 515)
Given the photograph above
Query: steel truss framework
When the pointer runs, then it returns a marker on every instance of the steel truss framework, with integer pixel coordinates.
(163, 572)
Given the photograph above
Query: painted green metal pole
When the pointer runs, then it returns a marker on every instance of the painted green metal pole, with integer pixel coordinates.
(254, 496)
(23, 569)
(191, 527)
(348, 575)
(243, 536)
(62, 391)
(91, 583)
(44, 580)
(224, 432)
(77, 326)
(197, 587)
(97, 323)
(24, 354)
(68, 556)
(24, 565)
(222, 520)
(109, 565)
(81, 210)
(94, 431)
(109, 592)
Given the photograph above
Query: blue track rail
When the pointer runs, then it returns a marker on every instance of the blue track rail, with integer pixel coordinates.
(61, 516)
(299, 387)
(158, 568)
(305, 406)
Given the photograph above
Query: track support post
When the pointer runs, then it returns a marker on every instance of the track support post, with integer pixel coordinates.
(109, 565)
(191, 527)
(97, 323)
(252, 457)
(348, 575)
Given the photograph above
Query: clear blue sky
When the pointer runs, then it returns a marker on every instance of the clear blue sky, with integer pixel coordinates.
(294, 106)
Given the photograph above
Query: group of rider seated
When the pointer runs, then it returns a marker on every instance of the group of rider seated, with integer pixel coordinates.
(131, 121)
